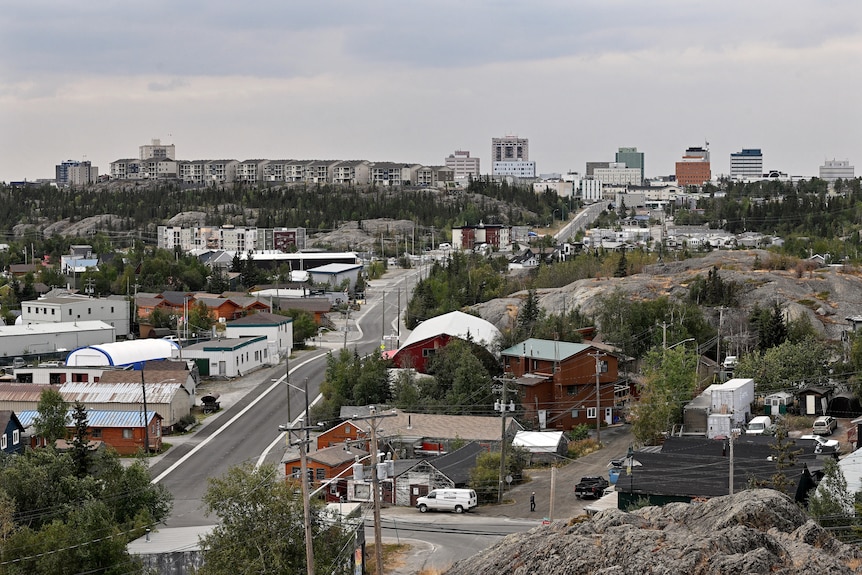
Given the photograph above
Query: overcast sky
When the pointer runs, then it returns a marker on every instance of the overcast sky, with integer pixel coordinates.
(414, 80)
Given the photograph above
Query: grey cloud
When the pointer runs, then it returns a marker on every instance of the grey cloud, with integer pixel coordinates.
(168, 86)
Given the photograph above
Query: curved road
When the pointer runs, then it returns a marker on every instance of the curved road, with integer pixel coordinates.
(248, 429)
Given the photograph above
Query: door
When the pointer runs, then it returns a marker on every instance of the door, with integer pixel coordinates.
(810, 405)
(222, 368)
(417, 491)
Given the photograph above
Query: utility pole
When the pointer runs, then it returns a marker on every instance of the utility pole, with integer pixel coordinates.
(398, 321)
(306, 500)
(146, 422)
(374, 419)
(383, 318)
(503, 408)
(597, 355)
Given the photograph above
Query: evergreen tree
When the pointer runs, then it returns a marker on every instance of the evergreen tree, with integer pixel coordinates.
(622, 266)
(80, 440)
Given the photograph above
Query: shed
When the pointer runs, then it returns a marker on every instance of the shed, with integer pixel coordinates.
(122, 353)
(777, 403)
(814, 400)
(844, 405)
(543, 446)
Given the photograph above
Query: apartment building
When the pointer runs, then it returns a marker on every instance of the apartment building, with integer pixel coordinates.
(75, 173)
(354, 172)
(230, 238)
(156, 150)
(434, 176)
(251, 171)
(73, 308)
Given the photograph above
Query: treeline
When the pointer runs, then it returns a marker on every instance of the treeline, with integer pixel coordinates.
(317, 207)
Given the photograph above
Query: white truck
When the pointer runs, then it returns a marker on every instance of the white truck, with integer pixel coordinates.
(457, 500)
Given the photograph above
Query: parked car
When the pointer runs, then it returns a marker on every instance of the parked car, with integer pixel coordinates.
(759, 425)
(824, 425)
(457, 500)
(821, 443)
(730, 362)
(591, 487)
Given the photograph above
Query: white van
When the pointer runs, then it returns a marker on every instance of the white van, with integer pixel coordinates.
(457, 500)
(758, 425)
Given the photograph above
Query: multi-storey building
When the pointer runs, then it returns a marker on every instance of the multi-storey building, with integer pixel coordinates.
(72, 308)
(510, 148)
(75, 173)
(434, 176)
(470, 237)
(221, 171)
(230, 238)
(251, 170)
(617, 174)
(747, 164)
(832, 170)
(355, 172)
(193, 172)
(632, 159)
(591, 190)
(156, 150)
(149, 169)
(593, 166)
(462, 165)
(510, 156)
(694, 168)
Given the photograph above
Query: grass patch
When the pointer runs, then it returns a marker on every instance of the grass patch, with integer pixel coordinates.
(583, 447)
(822, 296)
(798, 422)
(393, 557)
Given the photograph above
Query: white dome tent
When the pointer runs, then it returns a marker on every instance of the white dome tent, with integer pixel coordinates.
(122, 353)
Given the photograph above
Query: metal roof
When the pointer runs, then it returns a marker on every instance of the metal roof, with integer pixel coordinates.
(97, 418)
(457, 324)
(121, 352)
(546, 349)
(89, 392)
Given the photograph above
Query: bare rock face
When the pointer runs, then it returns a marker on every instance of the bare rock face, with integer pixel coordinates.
(752, 532)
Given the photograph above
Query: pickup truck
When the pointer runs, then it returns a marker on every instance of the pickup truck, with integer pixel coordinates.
(591, 487)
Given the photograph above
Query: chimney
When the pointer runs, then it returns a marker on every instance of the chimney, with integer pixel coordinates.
(409, 421)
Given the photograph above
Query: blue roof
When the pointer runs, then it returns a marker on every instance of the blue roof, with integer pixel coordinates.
(96, 418)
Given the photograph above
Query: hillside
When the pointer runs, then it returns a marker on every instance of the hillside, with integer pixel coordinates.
(826, 295)
(755, 531)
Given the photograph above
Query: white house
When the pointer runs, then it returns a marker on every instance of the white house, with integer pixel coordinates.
(278, 330)
(229, 357)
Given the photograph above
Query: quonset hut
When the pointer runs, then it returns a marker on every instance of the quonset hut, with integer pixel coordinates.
(131, 354)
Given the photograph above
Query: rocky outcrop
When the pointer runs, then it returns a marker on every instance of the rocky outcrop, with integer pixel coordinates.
(755, 531)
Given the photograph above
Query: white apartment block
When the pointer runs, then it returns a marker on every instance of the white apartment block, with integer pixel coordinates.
(251, 171)
(393, 174)
(462, 165)
(229, 238)
(591, 191)
(518, 169)
(150, 169)
(833, 170)
(114, 311)
(156, 150)
(356, 172)
(432, 176)
(617, 174)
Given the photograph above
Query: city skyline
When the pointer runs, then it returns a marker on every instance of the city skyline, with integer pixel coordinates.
(412, 82)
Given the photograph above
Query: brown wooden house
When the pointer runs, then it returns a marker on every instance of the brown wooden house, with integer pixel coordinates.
(324, 465)
(557, 382)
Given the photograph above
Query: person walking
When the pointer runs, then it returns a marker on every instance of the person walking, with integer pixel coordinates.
(533, 501)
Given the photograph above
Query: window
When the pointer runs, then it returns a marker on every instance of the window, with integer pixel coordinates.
(3, 441)
(127, 433)
(16, 436)
(571, 389)
(591, 413)
(321, 473)
(53, 311)
(112, 309)
(428, 352)
(96, 433)
(347, 429)
(295, 471)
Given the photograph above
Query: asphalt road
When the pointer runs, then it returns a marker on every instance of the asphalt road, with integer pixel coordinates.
(247, 428)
